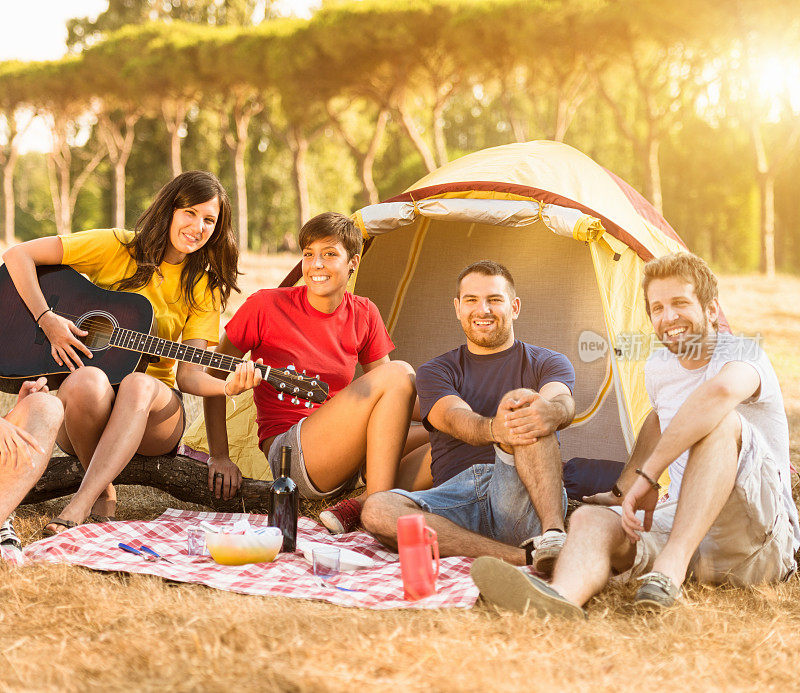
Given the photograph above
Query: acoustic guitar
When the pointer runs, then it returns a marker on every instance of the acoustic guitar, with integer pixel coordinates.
(122, 337)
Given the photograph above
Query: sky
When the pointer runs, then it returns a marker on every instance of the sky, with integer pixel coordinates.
(37, 30)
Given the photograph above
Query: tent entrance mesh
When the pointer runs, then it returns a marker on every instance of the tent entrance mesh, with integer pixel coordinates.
(410, 273)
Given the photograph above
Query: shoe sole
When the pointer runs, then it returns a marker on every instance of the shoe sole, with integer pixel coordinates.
(503, 585)
(544, 560)
(651, 605)
(331, 523)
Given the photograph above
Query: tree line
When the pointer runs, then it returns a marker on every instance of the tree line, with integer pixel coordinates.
(685, 100)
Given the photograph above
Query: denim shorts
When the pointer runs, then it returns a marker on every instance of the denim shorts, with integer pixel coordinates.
(488, 499)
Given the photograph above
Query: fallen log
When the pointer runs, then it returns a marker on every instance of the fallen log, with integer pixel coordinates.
(182, 477)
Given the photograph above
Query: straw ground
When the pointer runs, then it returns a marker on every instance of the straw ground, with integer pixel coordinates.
(65, 628)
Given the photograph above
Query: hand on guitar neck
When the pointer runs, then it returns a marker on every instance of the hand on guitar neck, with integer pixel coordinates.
(245, 377)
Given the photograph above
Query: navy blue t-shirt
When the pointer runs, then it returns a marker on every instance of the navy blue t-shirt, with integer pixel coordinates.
(481, 381)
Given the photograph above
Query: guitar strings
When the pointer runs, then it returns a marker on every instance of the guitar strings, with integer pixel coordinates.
(225, 359)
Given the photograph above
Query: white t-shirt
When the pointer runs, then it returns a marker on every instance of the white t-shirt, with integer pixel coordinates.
(669, 384)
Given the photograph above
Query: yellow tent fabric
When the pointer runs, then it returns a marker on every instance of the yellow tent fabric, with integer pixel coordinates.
(527, 187)
(242, 437)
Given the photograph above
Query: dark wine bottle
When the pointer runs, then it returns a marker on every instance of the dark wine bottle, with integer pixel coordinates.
(284, 502)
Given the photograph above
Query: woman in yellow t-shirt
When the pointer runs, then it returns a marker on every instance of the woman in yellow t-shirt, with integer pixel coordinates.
(182, 256)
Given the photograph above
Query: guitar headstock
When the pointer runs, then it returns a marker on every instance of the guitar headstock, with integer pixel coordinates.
(288, 382)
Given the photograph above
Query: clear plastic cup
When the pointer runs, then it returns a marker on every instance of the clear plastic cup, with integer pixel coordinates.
(325, 561)
(196, 541)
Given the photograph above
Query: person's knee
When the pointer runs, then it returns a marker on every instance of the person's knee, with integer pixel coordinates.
(545, 449)
(591, 517)
(728, 429)
(138, 387)
(380, 512)
(397, 376)
(46, 407)
(86, 384)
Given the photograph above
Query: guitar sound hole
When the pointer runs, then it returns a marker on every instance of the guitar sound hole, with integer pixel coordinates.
(100, 326)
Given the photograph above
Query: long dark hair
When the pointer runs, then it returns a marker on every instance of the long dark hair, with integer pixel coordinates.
(218, 258)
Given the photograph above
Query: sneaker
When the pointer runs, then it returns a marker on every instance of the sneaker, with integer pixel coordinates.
(8, 537)
(657, 592)
(343, 517)
(546, 549)
(508, 587)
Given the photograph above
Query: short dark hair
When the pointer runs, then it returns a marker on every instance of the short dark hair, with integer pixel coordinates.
(688, 267)
(332, 225)
(488, 268)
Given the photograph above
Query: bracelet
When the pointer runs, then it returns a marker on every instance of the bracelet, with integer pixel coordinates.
(656, 486)
(616, 492)
(491, 430)
(230, 397)
(41, 315)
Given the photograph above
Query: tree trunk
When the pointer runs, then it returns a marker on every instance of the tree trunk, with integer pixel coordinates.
(242, 112)
(653, 173)
(240, 178)
(174, 116)
(119, 144)
(765, 174)
(439, 140)
(299, 146)
(416, 138)
(8, 193)
(182, 477)
(766, 188)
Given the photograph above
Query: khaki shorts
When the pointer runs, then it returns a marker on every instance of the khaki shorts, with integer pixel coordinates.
(751, 541)
(306, 487)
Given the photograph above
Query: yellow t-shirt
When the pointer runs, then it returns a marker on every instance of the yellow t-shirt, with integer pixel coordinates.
(100, 255)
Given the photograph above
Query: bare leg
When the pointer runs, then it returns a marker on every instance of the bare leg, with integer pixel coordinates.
(707, 484)
(539, 468)
(368, 419)
(40, 414)
(415, 470)
(380, 514)
(88, 399)
(595, 544)
(146, 418)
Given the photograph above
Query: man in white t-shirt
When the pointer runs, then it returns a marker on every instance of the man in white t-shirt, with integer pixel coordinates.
(719, 425)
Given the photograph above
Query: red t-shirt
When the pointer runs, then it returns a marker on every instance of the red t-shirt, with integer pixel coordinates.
(281, 327)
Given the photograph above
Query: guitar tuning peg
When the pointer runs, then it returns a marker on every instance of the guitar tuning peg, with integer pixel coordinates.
(313, 382)
(290, 367)
(295, 400)
(308, 405)
(317, 377)
(280, 396)
(296, 390)
(304, 371)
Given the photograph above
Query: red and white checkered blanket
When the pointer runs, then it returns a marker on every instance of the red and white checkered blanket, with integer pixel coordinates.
(380, 587)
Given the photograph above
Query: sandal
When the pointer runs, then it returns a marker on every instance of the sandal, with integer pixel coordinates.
(59, 522)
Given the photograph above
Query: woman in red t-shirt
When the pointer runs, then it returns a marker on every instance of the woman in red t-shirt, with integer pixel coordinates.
(325, 330)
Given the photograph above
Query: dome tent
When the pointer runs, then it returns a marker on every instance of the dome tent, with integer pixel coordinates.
(575, 238)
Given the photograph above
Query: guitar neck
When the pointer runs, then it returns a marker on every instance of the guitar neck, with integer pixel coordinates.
(285, 380)
(156, 346)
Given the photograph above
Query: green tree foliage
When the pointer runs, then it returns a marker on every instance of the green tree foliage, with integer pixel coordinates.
(356, 103)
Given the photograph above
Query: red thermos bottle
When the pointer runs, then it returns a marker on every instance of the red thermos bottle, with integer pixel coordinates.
(419, 551)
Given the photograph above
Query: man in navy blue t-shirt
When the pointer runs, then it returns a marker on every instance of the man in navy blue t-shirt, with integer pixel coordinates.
(492, 406)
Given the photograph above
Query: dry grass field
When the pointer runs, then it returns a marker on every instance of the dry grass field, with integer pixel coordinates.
(66, 628)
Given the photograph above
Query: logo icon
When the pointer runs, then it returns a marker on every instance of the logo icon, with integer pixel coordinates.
(591, 346)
